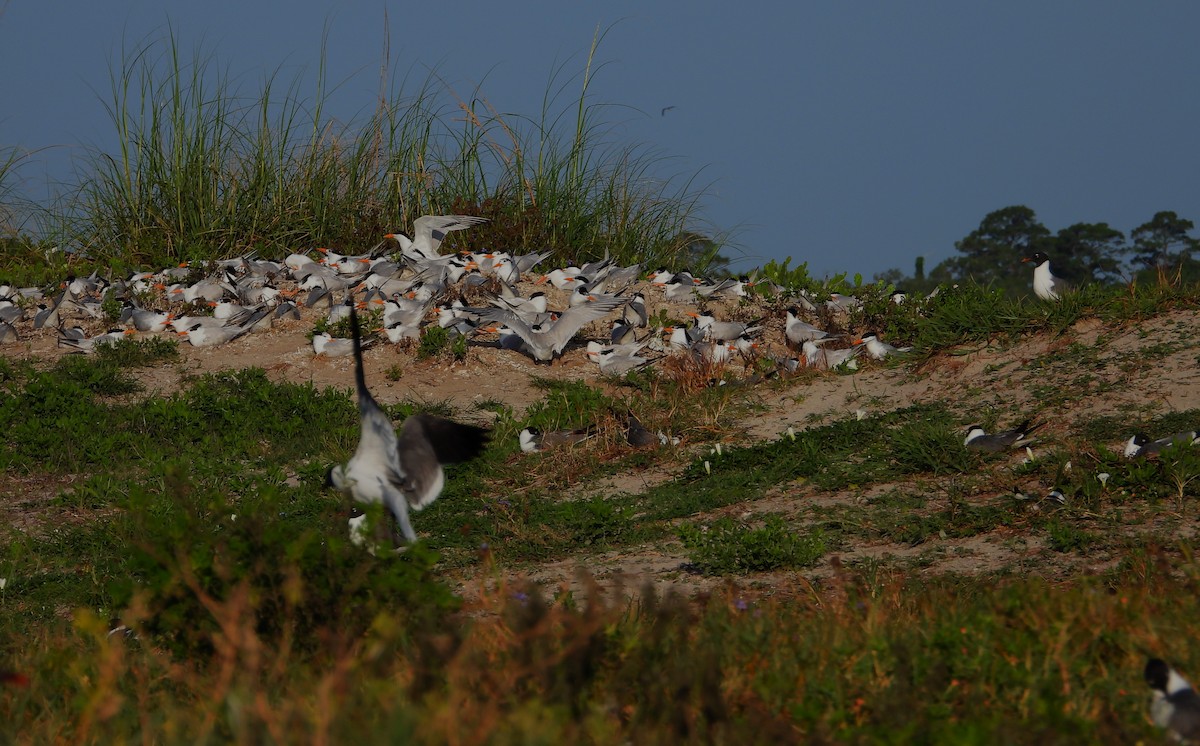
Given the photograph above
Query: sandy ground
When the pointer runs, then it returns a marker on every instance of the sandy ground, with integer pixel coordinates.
(1147, 367)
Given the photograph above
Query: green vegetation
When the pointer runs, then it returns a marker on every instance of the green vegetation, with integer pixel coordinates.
(202, 524)
(1162, 247)
(727, 548)
(206, 169)
(858, 603)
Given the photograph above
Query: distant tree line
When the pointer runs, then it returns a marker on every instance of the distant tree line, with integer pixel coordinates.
(1084, 252)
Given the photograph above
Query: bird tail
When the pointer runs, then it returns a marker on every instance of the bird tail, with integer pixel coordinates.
(360, 378)
(1027, 427)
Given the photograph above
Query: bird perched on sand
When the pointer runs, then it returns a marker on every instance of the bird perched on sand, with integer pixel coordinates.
(1045, 285)
(328, 345)
(979, 440)
(88, 344)
(533, 439)
(798, 331)
(401, 470)
(1175, 706)
(878, 349)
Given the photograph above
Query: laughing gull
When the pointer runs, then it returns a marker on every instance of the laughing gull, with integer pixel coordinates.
(1140, 445)
(1175, 706)
(533, 439)
(402, 470)
(979, 440)
(637, 434)
(1045, 285)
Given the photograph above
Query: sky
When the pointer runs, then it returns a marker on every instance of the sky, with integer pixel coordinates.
(855, 136)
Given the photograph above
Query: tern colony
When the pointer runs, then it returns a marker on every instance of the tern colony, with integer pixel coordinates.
(414, 286)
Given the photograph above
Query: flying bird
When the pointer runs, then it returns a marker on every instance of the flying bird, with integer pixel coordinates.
(401, 470)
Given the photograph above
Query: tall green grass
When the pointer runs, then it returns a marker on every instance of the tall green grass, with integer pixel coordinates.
(204, 169)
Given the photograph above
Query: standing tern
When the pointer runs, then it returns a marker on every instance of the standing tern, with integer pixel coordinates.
(402, 470)
(798, 331)
(724, 330)
(634, 314)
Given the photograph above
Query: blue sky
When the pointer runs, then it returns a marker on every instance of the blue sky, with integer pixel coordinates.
(852, 135)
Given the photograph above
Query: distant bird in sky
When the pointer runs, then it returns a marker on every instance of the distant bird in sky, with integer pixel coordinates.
(665, 110)
(1176, 706)
(1045, 285)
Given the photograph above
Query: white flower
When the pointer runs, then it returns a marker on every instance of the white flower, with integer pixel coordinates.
(791, 433)
(707, 468)
(3, 583)
(1103, 477)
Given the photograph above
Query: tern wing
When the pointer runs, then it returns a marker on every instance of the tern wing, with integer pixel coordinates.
(574, 319)
(425, 443)
(435, 227)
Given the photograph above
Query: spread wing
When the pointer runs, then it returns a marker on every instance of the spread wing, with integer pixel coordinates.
(435, 227)
(425, 443)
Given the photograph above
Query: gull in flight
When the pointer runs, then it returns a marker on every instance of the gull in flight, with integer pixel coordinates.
(400, 470)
